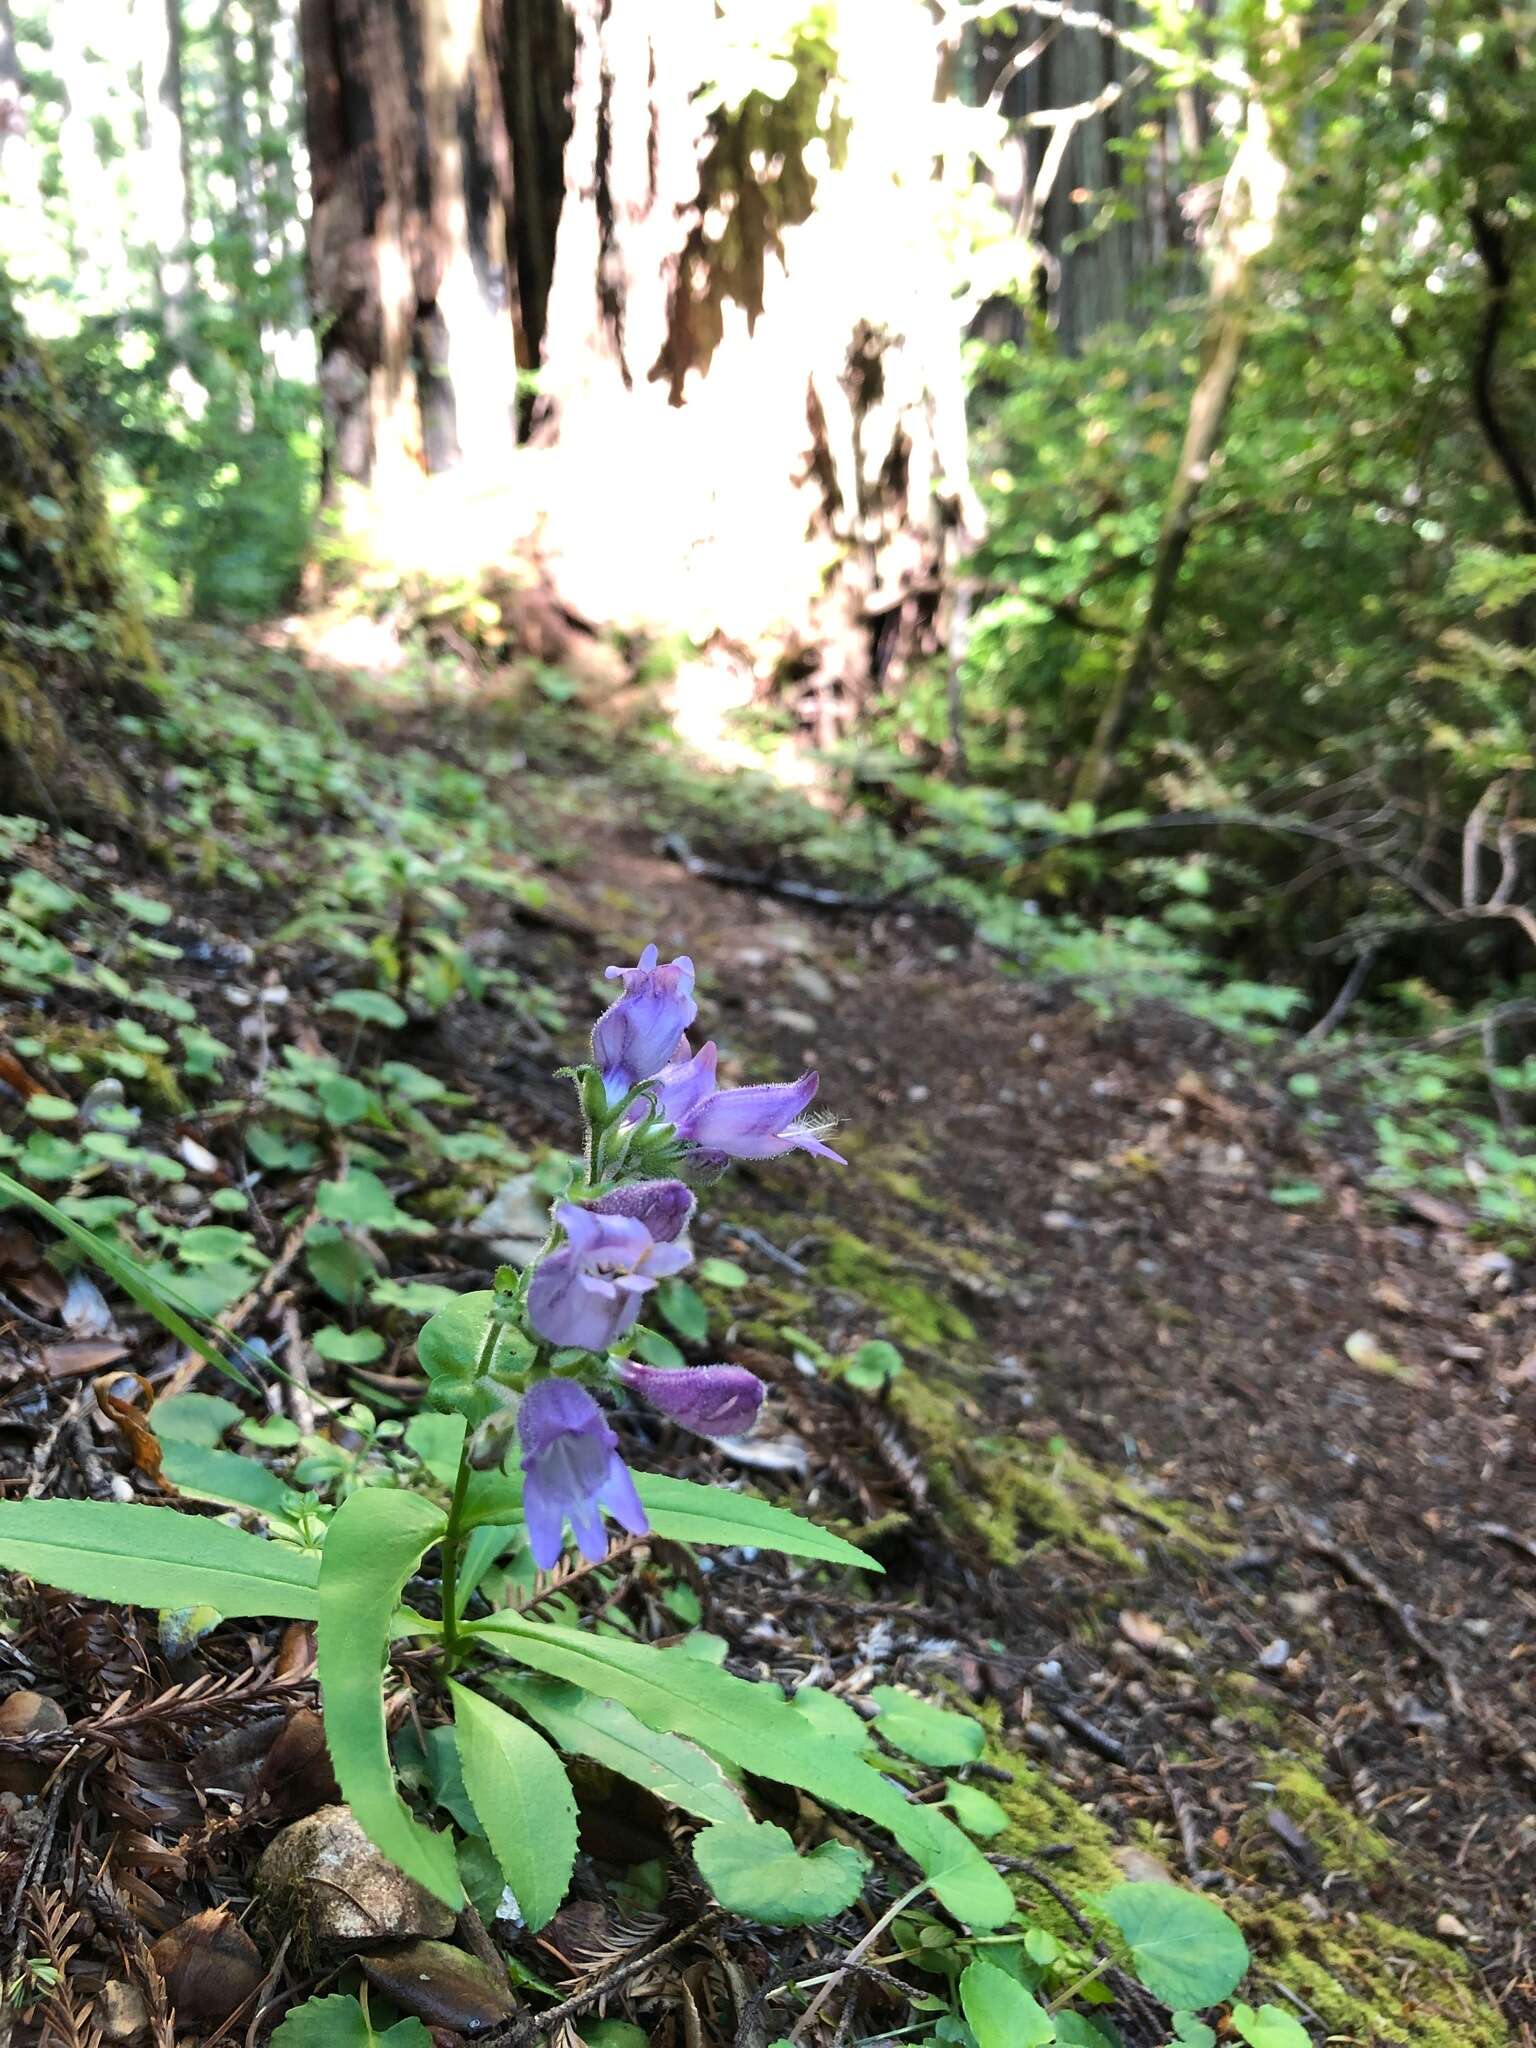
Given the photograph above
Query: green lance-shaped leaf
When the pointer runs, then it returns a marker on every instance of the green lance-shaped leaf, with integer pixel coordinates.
(754, 1727)
(930, 1734)
(611, 1735)
(522, 1798)
(1000, 2012)
(755, 1869)
(371, 1548)
(684, 1512)
(126, 1271)
(1183, 1947)
(155, 1557)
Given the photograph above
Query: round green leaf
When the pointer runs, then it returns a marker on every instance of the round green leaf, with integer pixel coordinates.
(50, 1109)
(932, 1735)
(977, 1811)
(1270, 2027)
(754, 1869)
(1183, 1947)
(347, 1347)
(449, 1345)
(370, 1006)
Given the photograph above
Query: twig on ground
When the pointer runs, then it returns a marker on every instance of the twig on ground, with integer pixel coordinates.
(1502, 1533)
(520, 2033)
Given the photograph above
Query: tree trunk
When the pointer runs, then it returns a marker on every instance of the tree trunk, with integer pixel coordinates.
(73, 652)
(723, 262)
(411, 171)
(166, 208)
(1243, 229)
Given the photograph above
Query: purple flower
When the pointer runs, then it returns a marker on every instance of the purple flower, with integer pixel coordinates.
(588, 1292)
(641, 1032)
(663, 1206)
(757, 1123)
(682, 1084)
(571, 1472)
(715, 1400)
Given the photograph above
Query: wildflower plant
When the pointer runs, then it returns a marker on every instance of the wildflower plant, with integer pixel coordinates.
(525, 1376)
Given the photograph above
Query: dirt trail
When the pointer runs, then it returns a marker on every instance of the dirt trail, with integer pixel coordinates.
(1226, 1584)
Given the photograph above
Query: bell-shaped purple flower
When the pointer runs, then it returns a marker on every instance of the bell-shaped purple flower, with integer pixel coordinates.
(642, 1031)
(587, 1294)
(714, 1400)
(758, 1123)
(571, 1472)
(663, 1206)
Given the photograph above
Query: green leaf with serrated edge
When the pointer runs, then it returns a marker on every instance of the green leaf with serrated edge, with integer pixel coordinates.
(674, 1770)
(1270, 2027)
(340, 2022)
(227, 1479)
(155, 1557)
(977, 1811)
(1184, 1948)
(754, 1727)
(523, 1800)
(124, 1270)
(755, 1869)
(1000, 2012)
(193, 1418)
(931, 1735)
(372, 1546)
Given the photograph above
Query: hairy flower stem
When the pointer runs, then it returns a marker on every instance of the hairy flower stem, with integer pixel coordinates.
(453, 1535)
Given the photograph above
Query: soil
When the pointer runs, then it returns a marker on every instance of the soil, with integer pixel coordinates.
(1219, 1508)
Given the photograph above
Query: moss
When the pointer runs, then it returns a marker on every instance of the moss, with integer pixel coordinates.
(1342, 1840)
(1372, 1984)
(1042, 1816)
(73, 649)
(911, 1314)
(159, 1089)
(1007, 1489)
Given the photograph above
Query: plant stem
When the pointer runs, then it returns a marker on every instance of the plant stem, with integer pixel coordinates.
(453, 1535)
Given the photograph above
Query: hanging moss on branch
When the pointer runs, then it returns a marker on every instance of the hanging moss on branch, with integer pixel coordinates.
(74, 652)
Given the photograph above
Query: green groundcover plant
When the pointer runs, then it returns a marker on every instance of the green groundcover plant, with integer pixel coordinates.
(522, 1451)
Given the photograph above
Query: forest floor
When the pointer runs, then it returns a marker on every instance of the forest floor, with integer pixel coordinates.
(1218, 1509)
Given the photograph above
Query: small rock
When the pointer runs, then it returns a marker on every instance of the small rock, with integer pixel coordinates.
(121, 2013)
(1451, 1928)
(1140, 1866)
(210, 1966)
(323, 1877)
(442, 1986)
(1275, 1656)
(1140, 1629)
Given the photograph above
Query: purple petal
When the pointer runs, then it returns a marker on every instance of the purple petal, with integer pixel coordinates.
(714, 1400)
(663, 1206)
(682, 1084)
(544, 1520)
(556, 1408)
(750, 1123)
(619, 1496)
(639, 1034)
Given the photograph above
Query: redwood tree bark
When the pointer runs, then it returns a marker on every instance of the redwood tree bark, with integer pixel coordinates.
(723, 263)
(408, 239)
